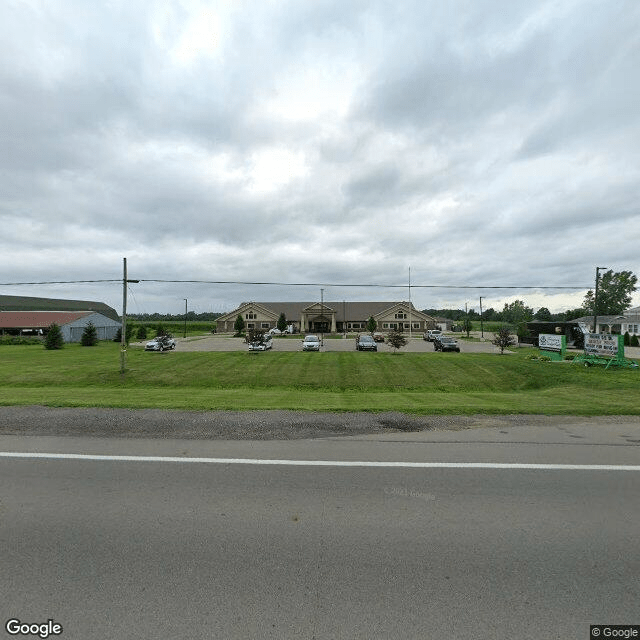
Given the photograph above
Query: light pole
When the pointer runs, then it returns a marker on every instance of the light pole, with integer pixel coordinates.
(185, 317)
(481, 325)
(595, 298)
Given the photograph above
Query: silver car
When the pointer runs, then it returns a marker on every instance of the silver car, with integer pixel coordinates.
(262, 345)
(161, 343)
(311, 343)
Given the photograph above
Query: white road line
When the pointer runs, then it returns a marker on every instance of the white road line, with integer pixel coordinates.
(324, 463)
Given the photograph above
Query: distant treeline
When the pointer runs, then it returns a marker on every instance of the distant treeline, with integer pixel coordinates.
(507, 314)
(168, 317)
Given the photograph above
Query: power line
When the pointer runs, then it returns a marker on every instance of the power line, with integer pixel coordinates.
(383, 286)
(306, 284)
(15, 284)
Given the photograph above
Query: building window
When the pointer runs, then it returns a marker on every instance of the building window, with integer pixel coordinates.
(406, 325)
(400, 316)
(251, 325)
(264, 325)
(250, 316)
(416, 325)
(385, 325)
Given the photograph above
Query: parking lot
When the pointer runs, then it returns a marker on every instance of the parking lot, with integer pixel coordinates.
(229, 343)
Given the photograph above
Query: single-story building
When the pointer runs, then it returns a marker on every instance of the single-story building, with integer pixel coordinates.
(629, 321)
(71, 323)
(329, 317)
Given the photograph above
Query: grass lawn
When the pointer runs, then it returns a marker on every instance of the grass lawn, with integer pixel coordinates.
(420, 383)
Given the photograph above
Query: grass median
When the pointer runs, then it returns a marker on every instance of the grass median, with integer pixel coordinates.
(419, 383)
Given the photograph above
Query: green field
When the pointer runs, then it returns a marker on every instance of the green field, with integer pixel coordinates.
(420, 383)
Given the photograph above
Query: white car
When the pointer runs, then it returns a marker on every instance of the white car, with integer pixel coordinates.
(311, 343)
(263, 345)
(161, 343)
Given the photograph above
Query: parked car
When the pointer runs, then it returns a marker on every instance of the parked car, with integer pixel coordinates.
(366, 343)
(378, 337)
(311, 343)
(446, 343)
(262, 345)
(431, 335)
(161, 343)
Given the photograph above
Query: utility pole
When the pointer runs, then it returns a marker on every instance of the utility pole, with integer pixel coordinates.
(123, 332)
(481, 325)
(123, 336)
(595, 298)
(185, 317)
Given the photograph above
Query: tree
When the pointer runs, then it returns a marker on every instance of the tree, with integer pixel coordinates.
(467, 325)
(54, 338)
(396, 339)
(614, 294)
(239, 325)
(142, 333)
(118, 336)
(281, 325)
(543, 314)
(574, 314)
(89, 336)
(516, 312)
(372, 325)
(503, 338)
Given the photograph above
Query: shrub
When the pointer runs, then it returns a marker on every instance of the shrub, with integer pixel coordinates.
(19, 340)
(503, 338)
(627, 339)
(396, 339)
(53, 339)
(89, 336)
(142, 333)
(238, 325)
(118, 336)
(634, 342)
(544, 359)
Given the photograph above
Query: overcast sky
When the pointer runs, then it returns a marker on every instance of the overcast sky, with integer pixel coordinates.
(475, 143)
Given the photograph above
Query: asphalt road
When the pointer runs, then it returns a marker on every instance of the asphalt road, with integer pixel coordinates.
(150, 548)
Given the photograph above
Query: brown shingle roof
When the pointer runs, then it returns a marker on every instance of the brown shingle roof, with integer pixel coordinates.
(38, 319)
(28, 303)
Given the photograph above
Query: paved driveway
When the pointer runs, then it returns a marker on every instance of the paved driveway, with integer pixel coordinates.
(227, 343)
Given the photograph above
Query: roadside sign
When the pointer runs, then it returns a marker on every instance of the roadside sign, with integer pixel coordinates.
(550, 342)
(604, 344)
(552, 345)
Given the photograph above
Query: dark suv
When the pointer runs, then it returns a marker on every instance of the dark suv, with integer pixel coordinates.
(446, 343)
(366, 343)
